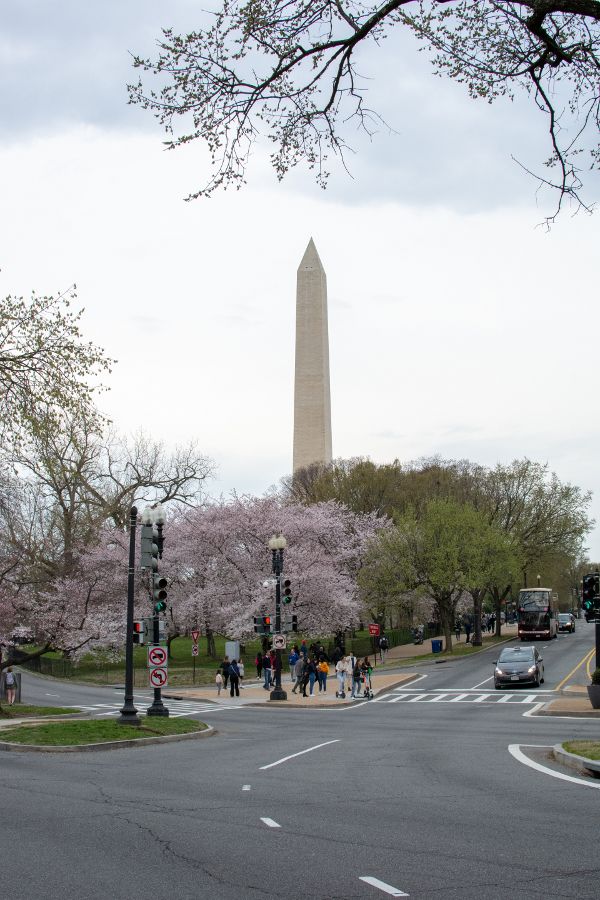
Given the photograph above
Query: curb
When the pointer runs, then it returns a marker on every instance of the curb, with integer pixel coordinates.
(575, 761)
(209, 731)
(571, 713)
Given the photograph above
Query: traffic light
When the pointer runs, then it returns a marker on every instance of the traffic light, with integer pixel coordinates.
(139, 633)
(149, 554)
(294, 623)
(159, 593)
(262, 624)
(286, 593)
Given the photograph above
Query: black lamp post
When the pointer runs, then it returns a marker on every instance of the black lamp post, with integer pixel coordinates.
(156, 516)
(129, 714)
(277, 545)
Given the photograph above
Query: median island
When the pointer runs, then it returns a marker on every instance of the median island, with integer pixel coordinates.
(96, 731)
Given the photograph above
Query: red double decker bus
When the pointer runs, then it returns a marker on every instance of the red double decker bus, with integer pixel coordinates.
(537, 614)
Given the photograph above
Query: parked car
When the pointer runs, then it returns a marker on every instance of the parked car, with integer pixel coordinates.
(518, 665)
(566, 622)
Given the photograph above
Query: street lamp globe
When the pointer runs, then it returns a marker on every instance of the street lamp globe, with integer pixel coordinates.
(146, 517)
(160, 516)
(277, 542)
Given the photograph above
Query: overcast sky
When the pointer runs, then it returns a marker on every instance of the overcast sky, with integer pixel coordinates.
(457, 326)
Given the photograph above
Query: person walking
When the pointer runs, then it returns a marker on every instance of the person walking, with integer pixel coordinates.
(292, 660)
(10, 683)
(273, 658)
(340, 672)
(234, 679)
(219, 682)
(312, 676)
(258, 664)
(225, 671)
(357, 676)
(468, 631)
(242, 672)
(266, 668)
(383, 647)
(299, 674)
(304, 650)
(350, 661)
(457, 629)
(322, 673)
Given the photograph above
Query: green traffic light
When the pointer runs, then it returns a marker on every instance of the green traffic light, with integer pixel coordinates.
(160, 606)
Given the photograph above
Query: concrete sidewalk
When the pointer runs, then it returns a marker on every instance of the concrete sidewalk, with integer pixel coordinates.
(253, 692)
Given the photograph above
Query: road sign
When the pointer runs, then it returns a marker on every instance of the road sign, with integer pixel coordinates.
(158, 677)
(157, 656)
(374, 630)
(195, 636)
(279, 642)
(194, 649)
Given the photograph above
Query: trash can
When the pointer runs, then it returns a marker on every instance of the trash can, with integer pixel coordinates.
(436, 646)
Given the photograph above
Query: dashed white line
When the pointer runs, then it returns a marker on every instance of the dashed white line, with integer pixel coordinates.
(270, 822)
(458, 698)
(300, 753)
(386, 888)
(245, 787)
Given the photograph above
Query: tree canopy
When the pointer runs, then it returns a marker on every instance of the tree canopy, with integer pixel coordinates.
(289, 70)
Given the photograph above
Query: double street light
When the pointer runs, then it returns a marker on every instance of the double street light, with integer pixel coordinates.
(277, 545)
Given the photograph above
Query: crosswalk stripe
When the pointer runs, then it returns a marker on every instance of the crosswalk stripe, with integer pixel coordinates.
(462, 697)
(458, 698)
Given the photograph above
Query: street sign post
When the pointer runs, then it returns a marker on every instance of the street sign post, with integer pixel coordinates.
(158, 677)
(279, 642)
(157, 656)
(195, 635)
(194, 655)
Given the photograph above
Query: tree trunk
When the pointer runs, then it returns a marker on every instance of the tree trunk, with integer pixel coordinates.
(210, 642)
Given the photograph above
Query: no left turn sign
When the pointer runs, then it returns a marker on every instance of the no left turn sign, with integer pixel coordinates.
(158, 677)
(157, 656)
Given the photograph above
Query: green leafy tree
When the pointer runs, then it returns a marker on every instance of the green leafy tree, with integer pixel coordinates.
(289, 70)
(46, 368)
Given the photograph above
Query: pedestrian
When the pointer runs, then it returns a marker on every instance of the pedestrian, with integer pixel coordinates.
(225, 671)
(292, 660)
(242, 672)
(304, 649)
(383, 646)
(258, 664)
(350, 661)
(299, 673)
(468, 631)
(10, 682)
(356, 679)
(219, 682)
(457, 629)
(234, 679)
(312, 676)
(266, 668)
(340, 672)
(322, 673)
(273, 658)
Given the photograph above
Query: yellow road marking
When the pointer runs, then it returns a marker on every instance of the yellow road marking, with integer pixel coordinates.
(585, 659)
(588, 667)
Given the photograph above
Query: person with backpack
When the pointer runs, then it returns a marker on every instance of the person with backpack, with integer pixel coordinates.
(311, 670)
(383, 647)
(10, 683)
(234, 679)
(357, 677)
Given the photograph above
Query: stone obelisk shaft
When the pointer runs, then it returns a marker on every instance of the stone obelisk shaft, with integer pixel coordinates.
(312, 404)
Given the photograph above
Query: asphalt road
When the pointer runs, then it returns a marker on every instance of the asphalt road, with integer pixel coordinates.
(420, 795)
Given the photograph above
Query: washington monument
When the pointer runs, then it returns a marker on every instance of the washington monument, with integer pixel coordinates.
(312, 404)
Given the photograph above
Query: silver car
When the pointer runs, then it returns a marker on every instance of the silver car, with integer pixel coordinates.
(518, 665)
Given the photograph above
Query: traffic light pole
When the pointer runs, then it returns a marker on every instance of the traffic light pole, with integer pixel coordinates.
(158, 708)
(277, 693)
(129, 714)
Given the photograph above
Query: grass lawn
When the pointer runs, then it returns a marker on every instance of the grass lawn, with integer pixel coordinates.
(23, 710)
(96, 731)
(590, 749)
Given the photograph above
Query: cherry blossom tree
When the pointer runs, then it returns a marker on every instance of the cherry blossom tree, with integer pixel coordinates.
(220, 562)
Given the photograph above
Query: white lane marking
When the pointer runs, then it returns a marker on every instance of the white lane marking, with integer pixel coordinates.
(458, 698)
(386, 888)
(439, 697)
(534, 709)
(507, 698)
(481, 698)
(529, 698)
(485, 681)
(396, 697)
(415, 699)
(52, 695)
(245, 787)
(300, 753)
(270, 822)
(516, 752)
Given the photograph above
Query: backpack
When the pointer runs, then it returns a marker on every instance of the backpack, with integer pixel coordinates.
(9, 679)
